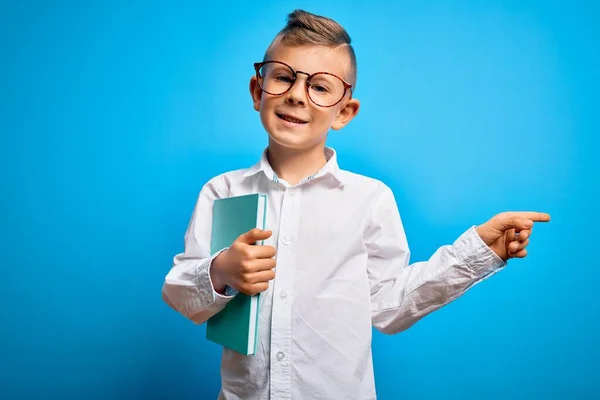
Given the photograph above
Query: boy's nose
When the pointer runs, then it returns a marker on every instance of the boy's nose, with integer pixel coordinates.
(297, 93)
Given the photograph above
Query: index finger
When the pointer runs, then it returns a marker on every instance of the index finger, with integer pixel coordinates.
(264, 251)
(532, 215)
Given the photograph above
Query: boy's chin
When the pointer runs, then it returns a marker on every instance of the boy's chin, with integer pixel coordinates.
(290, 142)
(278, 141)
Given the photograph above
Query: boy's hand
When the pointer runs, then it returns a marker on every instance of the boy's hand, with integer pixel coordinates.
(246, 267)
(507, 234)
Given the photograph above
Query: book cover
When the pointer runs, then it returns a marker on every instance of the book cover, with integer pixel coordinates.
(235, 327)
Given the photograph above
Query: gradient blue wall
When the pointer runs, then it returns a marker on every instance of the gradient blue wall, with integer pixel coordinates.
(112, 116)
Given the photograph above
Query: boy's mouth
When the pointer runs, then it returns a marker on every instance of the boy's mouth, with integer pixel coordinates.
(291, 119)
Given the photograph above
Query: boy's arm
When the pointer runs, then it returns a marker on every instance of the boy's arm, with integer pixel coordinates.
(187, 287)
(401, 294)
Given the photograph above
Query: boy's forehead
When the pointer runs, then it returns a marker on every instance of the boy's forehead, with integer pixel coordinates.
(313, 58)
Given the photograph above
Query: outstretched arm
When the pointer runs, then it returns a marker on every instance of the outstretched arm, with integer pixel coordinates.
(403, 293)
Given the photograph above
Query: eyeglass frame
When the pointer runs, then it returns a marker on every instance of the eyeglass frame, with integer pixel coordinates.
(259, 65)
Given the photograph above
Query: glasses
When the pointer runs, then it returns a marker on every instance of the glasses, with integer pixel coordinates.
(323, 89)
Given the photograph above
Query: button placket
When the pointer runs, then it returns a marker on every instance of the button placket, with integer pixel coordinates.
(281, 310)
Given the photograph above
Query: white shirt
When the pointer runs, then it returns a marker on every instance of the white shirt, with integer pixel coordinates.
(342, 267)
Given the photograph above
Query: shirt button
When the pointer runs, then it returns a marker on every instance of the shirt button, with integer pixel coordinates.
(280, 356)
(292, 193)
(282, 294)
(286, 240)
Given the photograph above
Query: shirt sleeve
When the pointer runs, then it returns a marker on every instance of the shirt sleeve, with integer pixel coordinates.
(187, 287)
(402, 294)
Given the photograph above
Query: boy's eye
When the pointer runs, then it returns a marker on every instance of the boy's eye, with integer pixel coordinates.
(319, 89)
(283, 78)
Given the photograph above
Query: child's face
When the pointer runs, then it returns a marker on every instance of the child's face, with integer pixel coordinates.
(295, 103)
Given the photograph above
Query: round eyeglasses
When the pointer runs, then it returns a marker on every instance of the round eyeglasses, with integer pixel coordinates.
(323, 88)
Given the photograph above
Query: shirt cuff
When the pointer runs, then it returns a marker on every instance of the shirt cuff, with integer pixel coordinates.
(204, 276)
(473, 251)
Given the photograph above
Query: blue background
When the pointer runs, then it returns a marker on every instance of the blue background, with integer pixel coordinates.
(113, 115)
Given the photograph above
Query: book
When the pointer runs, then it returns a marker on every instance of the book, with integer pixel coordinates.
(236, 326)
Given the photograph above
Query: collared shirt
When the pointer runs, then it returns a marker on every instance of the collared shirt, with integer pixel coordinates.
(343, 266)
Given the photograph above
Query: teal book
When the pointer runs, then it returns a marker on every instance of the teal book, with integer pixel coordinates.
(235, 327)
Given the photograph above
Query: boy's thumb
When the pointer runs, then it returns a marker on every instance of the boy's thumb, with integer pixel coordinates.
(254, 235)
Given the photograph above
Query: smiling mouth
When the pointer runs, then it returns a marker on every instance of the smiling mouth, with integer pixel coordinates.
(290, 119)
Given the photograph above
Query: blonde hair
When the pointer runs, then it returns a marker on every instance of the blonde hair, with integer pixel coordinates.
(306, 28)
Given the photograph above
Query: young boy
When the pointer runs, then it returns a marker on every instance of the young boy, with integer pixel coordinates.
(336, 237)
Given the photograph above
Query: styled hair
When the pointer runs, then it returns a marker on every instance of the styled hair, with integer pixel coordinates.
(306, 28)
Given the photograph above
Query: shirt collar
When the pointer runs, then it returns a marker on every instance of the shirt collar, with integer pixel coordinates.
(331, 167)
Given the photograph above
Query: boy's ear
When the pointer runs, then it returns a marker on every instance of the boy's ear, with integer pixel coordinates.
(255, 92)
(346, 114)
